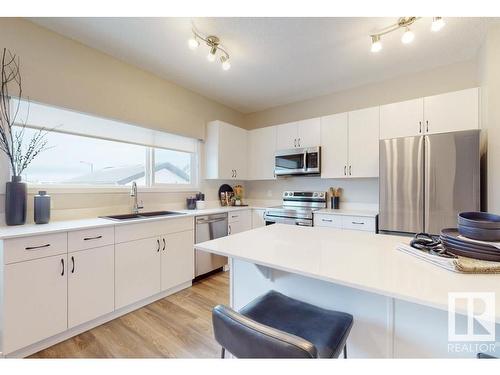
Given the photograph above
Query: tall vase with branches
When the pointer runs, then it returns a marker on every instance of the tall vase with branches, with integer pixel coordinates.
(20, 150)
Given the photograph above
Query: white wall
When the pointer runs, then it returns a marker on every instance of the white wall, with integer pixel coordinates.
(489, 76)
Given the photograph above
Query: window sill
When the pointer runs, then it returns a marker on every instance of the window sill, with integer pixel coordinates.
(82, 189)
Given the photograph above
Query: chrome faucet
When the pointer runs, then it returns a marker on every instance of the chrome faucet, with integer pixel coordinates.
(133, 193)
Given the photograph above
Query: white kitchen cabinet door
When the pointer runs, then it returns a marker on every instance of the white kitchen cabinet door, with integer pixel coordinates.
(309, 132)
(258, 218)
(363, 142)
(177, 259)
(453, 111)
(35, 301)
(334, 141)
(239, 221)
(403, 119)
(286, 136)
(225, 151)
(261, 150)
(91, 284)
(137, 270)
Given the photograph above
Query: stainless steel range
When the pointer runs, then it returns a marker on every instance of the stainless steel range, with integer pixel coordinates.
(297, 208)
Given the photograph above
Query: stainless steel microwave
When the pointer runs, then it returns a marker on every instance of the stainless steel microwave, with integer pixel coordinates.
(298, 161)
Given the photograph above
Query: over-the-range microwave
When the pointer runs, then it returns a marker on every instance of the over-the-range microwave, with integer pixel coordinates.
(298, 161)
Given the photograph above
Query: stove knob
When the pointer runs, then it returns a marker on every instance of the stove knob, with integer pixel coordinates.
(315, 194)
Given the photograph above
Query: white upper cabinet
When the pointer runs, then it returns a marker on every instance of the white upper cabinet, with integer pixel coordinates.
(363, 143)
(225, 152)
(349, 144)
(286, 136)
(403, 119)
(304, 133)
(261, 150)
(453, 111)
(309, 132)
(334, 152)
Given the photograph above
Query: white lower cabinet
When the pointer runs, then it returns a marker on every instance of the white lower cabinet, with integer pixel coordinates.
(91, 284)
(239, 221)
(366, 223)
(177, 259)
(137, 270)
(35, 301)
(258, 218)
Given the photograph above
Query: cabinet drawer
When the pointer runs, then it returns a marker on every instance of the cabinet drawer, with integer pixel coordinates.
(146, 229)
(34, 247)
(233, 217)
(358, 223)
(331, 221)
(90, 238)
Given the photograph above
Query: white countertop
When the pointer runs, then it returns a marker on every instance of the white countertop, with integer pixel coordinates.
(7, 232)
(347, 212)
(357, 259)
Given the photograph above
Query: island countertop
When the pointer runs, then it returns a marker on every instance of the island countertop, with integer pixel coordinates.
(356, 259)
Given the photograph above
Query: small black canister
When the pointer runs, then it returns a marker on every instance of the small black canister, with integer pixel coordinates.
(42, 208)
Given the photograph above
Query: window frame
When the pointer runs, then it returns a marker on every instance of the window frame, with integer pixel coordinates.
(149, 175)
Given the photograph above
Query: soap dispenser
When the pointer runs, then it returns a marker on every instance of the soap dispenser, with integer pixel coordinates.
(42, 207)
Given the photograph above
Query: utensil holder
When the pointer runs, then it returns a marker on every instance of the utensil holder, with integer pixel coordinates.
(335, 202)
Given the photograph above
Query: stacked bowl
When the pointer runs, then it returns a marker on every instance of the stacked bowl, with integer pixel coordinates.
(477, 236)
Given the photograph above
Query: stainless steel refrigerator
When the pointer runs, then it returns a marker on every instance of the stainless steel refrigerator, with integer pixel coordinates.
(426, 181)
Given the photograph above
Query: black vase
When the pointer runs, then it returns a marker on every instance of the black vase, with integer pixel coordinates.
(15, 201)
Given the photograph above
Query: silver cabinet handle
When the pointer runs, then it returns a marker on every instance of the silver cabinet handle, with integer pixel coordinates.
(229, 229)
(427, 125)
(37, 247)
(235, 173)
(62, 264)
(164, 244)
(327, 220)
(345, 170)
(358, 222)
(92, 238)
(73, 262)
(420, 126)
(158, 242)
(350, 170)
(295, 142)
(299, 142)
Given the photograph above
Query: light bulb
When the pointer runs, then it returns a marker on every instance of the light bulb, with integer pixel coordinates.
(437, 23)
(376, 44)
(193, 43)
(226, 65)
(408, 36)
(211, 57)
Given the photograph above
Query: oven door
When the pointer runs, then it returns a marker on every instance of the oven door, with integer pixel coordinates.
(288, 220)
(290, 162)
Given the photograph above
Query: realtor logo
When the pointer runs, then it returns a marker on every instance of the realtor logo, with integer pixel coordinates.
(479, 311)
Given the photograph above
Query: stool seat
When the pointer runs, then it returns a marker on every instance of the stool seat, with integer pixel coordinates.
(277, 326)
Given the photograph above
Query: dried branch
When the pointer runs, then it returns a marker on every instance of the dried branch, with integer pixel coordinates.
(13, 142)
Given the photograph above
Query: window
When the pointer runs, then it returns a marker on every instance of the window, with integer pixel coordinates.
(75, 160)
(85, 150)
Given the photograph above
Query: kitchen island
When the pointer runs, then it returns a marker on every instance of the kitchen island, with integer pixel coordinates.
(399, 303)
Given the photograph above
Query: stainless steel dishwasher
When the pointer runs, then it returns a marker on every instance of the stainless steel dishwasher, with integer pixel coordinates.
(209, 227)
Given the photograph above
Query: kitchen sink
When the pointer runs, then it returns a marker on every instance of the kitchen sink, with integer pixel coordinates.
(142, 215)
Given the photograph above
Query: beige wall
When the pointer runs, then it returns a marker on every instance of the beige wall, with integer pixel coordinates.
(60, 71)
(489, 76)
(447, 78)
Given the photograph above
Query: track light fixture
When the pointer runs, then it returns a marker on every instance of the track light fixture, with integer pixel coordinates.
(408, 35)
(214, 45)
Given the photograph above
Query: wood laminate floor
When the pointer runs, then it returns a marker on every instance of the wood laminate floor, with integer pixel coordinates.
(177, 326)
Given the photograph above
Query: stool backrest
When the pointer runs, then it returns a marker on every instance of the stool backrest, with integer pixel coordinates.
(245, 338)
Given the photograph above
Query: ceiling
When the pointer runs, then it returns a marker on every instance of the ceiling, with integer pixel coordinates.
(274, 61)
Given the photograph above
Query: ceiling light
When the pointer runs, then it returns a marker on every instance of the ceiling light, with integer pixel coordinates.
(211, 57)
(408, 36)
(213, 43)
(376, 44)
(226, 65)
(437, 23)
(193, 43)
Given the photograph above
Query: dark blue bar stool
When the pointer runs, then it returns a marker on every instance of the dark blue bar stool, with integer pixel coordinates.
(277, 326)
